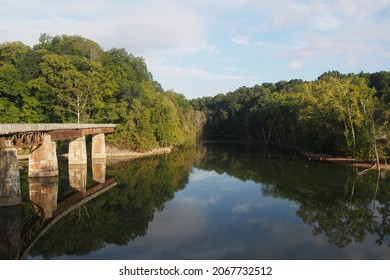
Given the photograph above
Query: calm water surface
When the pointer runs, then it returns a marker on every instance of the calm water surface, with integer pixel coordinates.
(227, 201)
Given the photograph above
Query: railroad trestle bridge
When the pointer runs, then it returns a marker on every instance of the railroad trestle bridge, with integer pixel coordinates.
(43, 156)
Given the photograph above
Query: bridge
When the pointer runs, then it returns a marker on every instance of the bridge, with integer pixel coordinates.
(43, 156)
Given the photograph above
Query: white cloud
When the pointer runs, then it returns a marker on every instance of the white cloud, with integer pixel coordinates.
(177, 72)
(263, 44)
(348, 45)
(240, 40)
(296, 65)
(361, 9)
(153, 26)
(343, 33)
(213, 50)
(229, 59)
(229, 69)
(215, 44)
(139, 25)
(327, 22)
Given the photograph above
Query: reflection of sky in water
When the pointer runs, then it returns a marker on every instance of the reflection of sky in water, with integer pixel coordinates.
(221, 217)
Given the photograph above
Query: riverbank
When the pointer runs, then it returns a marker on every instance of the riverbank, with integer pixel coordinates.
(114, 152)
(345, 160)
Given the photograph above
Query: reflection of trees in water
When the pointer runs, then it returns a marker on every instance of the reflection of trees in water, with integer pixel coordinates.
(124, 212)
(333, 199)
(352, 217)
(338, 204)
(10, 231)
(381, 225)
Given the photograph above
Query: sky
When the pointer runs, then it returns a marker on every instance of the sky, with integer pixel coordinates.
(206, 47)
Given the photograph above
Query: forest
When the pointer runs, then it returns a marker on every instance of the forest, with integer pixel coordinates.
(72, 79)
(338, 114)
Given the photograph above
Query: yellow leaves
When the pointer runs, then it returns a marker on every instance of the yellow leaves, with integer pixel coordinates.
(340, 106)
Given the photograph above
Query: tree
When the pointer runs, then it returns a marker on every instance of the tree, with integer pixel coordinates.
(12, 51)
(71, 79)
(12, 91)
(9, 113)
(381, 82)
(73, 45)
(76, 91)
(339, 106)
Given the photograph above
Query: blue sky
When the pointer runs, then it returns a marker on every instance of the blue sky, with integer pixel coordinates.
(206, 47)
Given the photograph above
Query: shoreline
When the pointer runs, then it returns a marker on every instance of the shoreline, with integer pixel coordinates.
(345, 161)
(114, 153)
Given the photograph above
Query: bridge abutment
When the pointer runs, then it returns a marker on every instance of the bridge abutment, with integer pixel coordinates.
(43, 159)
(9, 176)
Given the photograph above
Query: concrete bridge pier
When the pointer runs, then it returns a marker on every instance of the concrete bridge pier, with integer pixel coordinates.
(78, 151)
(98, 146)
(43, 159)
(9, 175)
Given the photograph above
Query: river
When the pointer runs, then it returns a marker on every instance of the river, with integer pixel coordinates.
(225, 201)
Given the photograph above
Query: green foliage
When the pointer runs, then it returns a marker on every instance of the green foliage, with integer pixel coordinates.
(70, 45)
(72, 79)
(156, 120)
(381, 82)
(9, 113)
(12, 52)
(337, 113)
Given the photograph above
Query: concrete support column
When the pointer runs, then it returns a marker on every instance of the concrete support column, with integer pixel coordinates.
(9, 176)
(98, 146)
(78, 151)
(43, 159)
